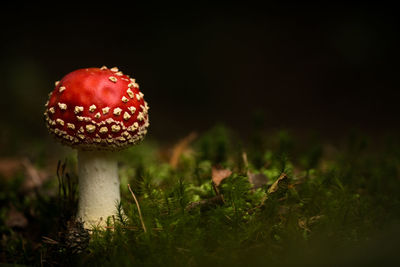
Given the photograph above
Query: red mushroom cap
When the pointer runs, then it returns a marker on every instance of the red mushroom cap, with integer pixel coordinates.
(97, 108)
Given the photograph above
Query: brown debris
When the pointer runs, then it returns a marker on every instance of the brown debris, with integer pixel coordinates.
(34, 178)
(180, 148)
(307, 223)
(257, 179)
(9, 167)
(16, 218)
(206, 203)
(280, 184)
(218, 175)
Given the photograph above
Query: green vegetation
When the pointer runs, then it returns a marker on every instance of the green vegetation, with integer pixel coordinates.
(337, 204)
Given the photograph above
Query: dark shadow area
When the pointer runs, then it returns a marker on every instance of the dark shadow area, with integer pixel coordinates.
(318, 68)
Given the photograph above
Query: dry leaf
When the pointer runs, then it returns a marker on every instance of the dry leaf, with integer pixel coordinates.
(306, 223)
(9, 167)
(281, 184)
(257, 179)
(16, 218)
(312, 220)
(34, 178)
(218, 175)
(206, 203)
(180, 147)
(302, 223)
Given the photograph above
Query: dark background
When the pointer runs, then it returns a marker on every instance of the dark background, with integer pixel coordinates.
(327, 69)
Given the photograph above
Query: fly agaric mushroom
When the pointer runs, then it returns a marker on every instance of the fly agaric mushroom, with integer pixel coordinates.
(97, 111)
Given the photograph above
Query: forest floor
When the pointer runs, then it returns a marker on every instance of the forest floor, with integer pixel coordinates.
(211, 199)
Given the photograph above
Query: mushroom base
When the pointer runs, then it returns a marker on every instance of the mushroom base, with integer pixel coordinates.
(99, 190)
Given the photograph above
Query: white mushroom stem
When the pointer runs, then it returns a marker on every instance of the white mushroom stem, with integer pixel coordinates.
(98, 187)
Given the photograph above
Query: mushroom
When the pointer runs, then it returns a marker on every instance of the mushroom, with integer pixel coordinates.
(98, 111)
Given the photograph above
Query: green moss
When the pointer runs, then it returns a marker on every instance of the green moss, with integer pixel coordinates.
(331, 207)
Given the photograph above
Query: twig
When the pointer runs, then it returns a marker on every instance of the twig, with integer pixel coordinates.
(138, 207)
(123, 227)
(50, 241)
(130, 228)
